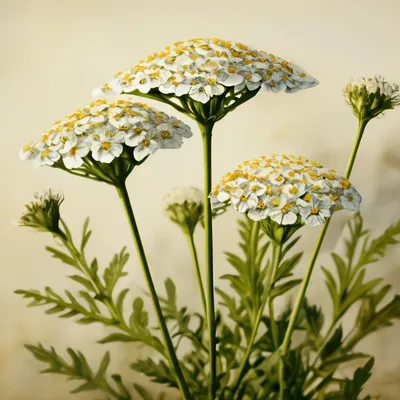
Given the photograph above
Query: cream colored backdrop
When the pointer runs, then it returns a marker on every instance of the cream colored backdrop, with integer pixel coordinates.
(54, 52)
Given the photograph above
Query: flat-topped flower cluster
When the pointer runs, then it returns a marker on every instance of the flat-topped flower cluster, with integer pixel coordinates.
(102, 129)
(203, 68)
(287, 189)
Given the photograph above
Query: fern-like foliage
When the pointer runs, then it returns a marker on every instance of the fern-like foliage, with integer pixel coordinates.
(96, 289)
(79, 369)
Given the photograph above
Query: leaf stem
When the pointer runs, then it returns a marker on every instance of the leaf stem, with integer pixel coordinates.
(206, 132)
(124, 196)
(193, 252)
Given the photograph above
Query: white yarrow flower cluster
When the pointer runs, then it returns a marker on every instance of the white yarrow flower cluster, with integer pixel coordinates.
(102, 130)
(286, 189)
(204, 68)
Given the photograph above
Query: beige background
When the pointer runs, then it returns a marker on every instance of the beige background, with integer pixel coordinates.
(53, 53)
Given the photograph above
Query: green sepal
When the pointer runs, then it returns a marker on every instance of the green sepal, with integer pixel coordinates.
(279, 234)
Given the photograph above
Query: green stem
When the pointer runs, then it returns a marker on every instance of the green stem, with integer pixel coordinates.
(362, 123)
(276, 256)
(303, 289)
(206, 131)
(193, 252)
(254, 236)
(299, 302)
(174, 363)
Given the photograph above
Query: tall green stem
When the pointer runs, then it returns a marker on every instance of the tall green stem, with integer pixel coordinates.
(193, 252)
(362, 123)
(173, 360)
(299, 301)
(276, 257)
(206, 132)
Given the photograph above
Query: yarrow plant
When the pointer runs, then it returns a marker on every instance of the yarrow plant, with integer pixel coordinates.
(243, 350)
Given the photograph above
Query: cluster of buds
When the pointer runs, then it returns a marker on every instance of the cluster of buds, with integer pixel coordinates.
(43, 213)
(370, 97)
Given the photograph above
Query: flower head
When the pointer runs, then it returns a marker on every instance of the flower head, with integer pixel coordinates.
(105, 131)
(204, 68)
(184, 206)
(43, 213)
(287, 190)
(370, 97)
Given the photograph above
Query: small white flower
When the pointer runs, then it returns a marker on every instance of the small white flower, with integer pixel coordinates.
(295, 190)
(242, 200)
(107, 145)
(283, 211)
(315, 211)
(259, 212)
(146, 147)
(169, 138)
(45, 156)
(28, 152)
(351, 199)
(72, 156)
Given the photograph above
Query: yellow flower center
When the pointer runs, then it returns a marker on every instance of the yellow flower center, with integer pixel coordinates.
(344, 183)
(316, 187)
(293, 190)
(307, 197)
(350, 198)
(272, 84)
(243, 198)
(254, 188)
(146, 143)
(275, 202)
(137, 131)
(106, 146)
(72, 151)
(315, 210)
(44, 153)
(261, 205)
(232, 70)
(165, 134)
(291, 174)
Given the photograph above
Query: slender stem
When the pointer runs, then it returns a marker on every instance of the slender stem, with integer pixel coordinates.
(276, 257)
(193, 252)
(274, 327)
(362, 123)
(206, 131)
(254, 236)
(303, 289)
(124, 196)
(297, 307)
